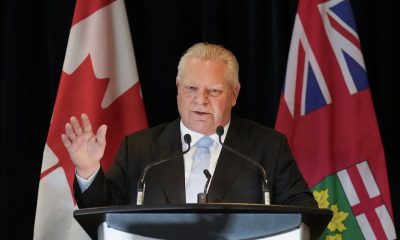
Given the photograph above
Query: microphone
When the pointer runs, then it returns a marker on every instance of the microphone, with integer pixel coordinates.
(220, 131)
(141, 184)
(202, 197)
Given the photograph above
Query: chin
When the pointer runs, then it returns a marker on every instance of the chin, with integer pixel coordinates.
(204, 128)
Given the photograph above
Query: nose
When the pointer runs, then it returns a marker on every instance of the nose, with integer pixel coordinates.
(201, 97)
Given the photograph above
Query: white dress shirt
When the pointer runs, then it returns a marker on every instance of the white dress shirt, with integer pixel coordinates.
(215, 149)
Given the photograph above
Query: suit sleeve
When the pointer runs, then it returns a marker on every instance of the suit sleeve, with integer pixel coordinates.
(106, 190)
(290, 187)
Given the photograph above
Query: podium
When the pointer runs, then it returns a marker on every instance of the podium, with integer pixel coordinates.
(204, 221)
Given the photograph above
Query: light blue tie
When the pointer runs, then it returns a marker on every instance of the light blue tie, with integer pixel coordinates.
(201, 160)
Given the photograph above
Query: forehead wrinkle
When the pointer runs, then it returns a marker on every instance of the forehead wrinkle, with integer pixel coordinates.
(207, 86)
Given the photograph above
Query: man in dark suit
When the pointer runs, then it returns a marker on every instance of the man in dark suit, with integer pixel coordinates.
(208, 88)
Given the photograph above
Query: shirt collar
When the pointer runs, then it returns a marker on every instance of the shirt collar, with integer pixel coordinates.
(195, 136)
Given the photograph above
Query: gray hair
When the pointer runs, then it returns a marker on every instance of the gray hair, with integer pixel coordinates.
(212, 52)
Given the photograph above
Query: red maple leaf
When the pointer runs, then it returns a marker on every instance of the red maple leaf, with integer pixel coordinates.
(81, 92)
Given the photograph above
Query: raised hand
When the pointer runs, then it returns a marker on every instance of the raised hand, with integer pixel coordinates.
(84, 147)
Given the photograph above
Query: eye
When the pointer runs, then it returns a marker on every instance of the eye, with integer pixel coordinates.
(190, 89)
(215, 92)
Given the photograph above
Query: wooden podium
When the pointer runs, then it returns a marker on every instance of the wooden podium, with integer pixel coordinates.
(204, 221)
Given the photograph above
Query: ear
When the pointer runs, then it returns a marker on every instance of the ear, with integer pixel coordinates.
(235, 93)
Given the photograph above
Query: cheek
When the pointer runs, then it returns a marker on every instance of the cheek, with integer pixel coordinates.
(219, 108)
(183, 101)
(180, 101)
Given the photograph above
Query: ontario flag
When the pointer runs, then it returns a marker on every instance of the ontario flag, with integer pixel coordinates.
(99, 78)
(326, 112)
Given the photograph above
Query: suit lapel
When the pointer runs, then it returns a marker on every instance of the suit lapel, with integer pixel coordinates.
(229, 165)
(171, 173)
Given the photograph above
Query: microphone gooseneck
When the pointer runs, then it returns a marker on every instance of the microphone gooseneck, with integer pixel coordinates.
(220, 131)
(141, 184)
(208, 176)
(202, 197)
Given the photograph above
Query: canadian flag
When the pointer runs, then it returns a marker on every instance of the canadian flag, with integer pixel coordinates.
(100, 79)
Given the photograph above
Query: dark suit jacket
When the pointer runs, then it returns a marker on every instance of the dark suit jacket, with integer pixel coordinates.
(234, 179)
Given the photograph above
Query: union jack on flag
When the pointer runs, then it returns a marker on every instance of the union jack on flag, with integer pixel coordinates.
(327, 114)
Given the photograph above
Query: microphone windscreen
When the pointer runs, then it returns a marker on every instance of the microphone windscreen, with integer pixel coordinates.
(220, 131)
(187, 138)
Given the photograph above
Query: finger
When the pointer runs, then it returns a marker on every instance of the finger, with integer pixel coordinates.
(87, 126)
(69, 132)
(67, 143)
(76, 126)
(101, 135)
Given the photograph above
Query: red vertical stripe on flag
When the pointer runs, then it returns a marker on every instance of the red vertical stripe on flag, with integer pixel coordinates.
(83, 9)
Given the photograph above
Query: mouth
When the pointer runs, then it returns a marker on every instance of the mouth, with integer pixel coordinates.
(199, 113)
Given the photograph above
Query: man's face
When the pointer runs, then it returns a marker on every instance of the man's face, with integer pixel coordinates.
(205, 97)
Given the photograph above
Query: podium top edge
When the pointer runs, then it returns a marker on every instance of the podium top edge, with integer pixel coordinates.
(204, 208)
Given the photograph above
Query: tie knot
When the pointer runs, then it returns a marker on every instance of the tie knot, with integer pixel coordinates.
(204, 142)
